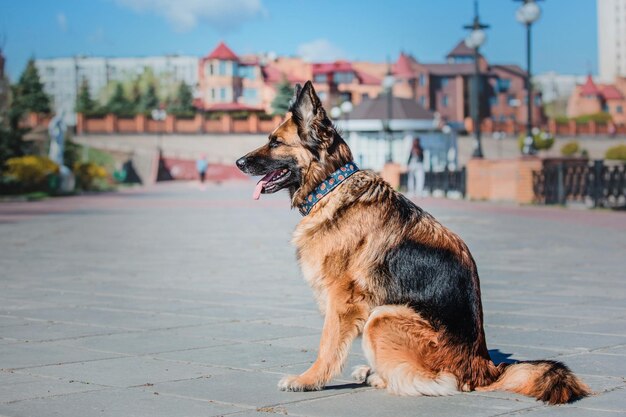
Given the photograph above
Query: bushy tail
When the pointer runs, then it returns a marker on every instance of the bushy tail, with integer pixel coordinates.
(546, 380)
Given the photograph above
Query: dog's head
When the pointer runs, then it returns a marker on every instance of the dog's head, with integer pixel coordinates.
(301, 152)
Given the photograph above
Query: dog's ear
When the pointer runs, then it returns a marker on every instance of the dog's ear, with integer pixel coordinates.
(306, 110)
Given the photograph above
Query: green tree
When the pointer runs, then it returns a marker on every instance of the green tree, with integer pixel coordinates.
(29, 95)
(84, 103)
(183, 103)
(284, 93)
(119, 104)
(149, 100)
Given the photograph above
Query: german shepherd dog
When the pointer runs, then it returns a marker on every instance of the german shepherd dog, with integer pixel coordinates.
(382, 267)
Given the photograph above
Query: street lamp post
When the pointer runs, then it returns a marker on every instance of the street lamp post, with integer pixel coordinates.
(475, 40)
(346, 107)
(388, 83)
(528, 13)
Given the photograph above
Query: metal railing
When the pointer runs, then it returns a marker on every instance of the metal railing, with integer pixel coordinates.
(597, 183)
(443, 181)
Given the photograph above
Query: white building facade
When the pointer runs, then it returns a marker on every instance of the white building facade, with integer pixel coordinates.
(62, 77)
(611, 39)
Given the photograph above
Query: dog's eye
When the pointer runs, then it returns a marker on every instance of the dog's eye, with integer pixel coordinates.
(275, 144)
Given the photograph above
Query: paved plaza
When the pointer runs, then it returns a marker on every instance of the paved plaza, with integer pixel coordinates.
(178, 301)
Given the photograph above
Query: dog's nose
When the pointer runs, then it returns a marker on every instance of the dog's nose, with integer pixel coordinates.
(241, 162)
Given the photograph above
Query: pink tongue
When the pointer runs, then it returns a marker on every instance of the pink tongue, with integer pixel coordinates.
(259, 186)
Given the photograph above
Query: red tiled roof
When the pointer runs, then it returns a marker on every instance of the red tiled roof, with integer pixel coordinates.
(461, 49)
(271, 74)
(222, 51)
(590, 88)
(610, 92)
(512, 68)
(231, 107)
(365, 78)
(465, 68)
(404, 66)
(328, 67)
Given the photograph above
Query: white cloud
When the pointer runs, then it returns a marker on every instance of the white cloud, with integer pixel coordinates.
(320, 50)
(62, 21)
(185, 15)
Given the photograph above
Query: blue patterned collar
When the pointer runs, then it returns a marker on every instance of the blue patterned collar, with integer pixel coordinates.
(327, 186)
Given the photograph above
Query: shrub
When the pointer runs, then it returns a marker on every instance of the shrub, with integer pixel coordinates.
(570, 148)
(90, 176)
(617, 152)
(601, 117)
(542, 141)
(31, 172)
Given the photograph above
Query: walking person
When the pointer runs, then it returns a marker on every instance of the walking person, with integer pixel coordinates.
(415, 169)
(202, 165)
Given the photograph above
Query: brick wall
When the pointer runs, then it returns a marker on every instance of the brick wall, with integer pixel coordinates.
(196, 125)
(502, 179)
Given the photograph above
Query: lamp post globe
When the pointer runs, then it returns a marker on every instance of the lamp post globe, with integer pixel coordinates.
(528, 13)
(335, 112)
(476, 38)
(346, 107)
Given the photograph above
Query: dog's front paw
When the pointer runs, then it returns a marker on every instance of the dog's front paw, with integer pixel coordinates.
(298, 383)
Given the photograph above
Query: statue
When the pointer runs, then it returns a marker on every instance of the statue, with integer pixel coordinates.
(56, 131)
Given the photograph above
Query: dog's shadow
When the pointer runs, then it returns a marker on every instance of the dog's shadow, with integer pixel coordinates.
(499, 357)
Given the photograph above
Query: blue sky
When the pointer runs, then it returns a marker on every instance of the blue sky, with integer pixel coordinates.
(565, 37)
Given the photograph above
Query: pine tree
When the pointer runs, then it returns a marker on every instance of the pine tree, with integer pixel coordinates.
(183, 103)
(118, 104)
(84, 103)
(149, 100)
(284, 93)
(28, 94)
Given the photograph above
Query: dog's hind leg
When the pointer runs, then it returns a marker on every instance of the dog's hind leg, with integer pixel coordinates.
(398, 343)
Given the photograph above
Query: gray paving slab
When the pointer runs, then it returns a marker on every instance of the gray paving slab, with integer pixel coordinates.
(173, 301)
(125, 372)
(22, 355)
(242, 356)
(113, 403)
(249, 389)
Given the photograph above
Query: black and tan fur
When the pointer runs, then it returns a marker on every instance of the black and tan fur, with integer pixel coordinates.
(381, 266)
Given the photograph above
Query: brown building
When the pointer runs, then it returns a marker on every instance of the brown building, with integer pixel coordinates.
(445, 87)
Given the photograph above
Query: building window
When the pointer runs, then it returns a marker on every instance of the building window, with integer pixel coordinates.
(422, 80)
(223, 70)
(444, 82)
(247, 72)
(212, 93)
(320, 78)
(537, 100)
(512, 101)
(493, 101)
(444, 100)
(222, 94)
(619, 109)
(423, 101)
(250, 95)
(503, 85)
(343, 77)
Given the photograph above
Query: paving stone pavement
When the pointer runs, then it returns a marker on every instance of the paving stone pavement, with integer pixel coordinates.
(180, 301)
